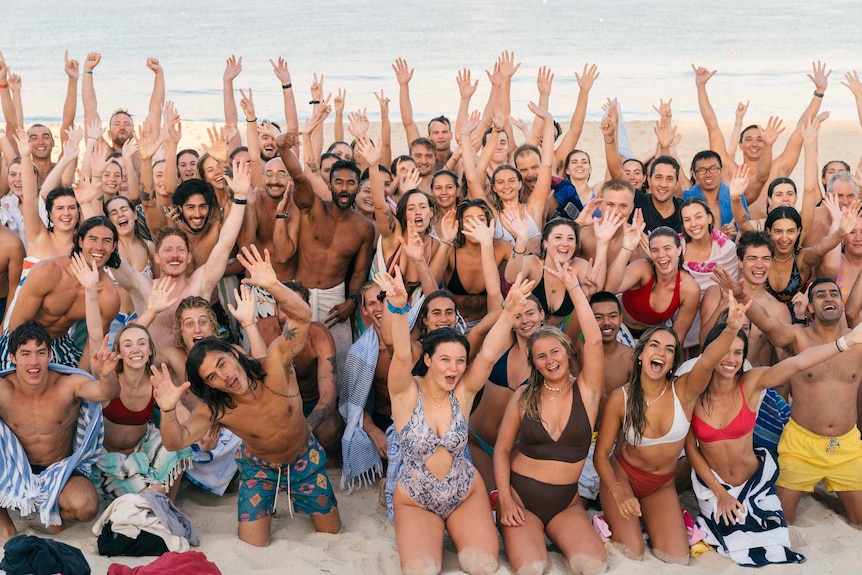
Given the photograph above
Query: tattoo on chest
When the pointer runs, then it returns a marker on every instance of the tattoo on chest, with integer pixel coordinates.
(284, 395)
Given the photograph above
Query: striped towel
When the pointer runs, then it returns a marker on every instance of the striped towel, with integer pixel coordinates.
(21, 489)
(762, 536)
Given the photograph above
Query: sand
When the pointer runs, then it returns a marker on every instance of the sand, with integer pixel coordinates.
(367, 543)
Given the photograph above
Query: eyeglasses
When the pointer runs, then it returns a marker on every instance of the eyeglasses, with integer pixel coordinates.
(703, 171)
(280, 173)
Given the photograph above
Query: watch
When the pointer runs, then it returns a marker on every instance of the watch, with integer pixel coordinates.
(354, 298)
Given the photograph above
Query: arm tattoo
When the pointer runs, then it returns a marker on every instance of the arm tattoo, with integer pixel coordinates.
(317, 416)
(289, 331)
(334, 365)
(390, 220)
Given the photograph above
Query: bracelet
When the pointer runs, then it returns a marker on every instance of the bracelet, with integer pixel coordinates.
(575, 287)
(246, 326)
(614, 485)
(313, 102)
(517, 253)
(610, 143)
(818, 94)
(841, 344)
(168, 410)
(99, 177)
(3, 86)
(287, 86)
(628, 250)
(284, 216)
(398, 310)
(90, 72)
(239, 202)
(254, 121)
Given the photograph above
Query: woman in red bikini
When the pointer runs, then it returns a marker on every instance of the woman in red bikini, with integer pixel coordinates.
(656, 289)
(653, 413)
(735, 482)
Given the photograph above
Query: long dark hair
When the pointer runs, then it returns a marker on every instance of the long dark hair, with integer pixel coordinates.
(113, 260)
(219, 401)
(433, 340)
(636, 403)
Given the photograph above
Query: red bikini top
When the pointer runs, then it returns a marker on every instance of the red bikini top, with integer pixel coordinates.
(742, 425)
(117, 412)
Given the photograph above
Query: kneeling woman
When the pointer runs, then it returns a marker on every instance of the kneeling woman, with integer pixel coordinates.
(554, 416)
(438, 488)
(734, 482)
(653, 411)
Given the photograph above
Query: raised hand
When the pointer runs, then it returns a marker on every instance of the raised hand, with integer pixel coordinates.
(367, 150)
(564, 272)
(545, 80)
(810, 131)
(520, 124)
(741, 109)
(851, 80)
(218, 144)
(232, 68)
(664, 111)
(23, 142)
(86, 274)
(772, 131)
(848, 218)
(153, 64)
(85, 191)
(73, 139)
(819, 76)
(281, 70)
(173, 127)
(402, 74)
(338, 102)
(268, 129)
(739, 181)
(471, 122)
(91, 61)
(495, 77)
(396, 293)
(14, 82)
(605, 227)
(702, 75)
(830, 202)
(664, 134)
(482, 233)
(507, 64)
(71, 67)
(515, 223)
(384, 103)
(409, 180)
(258, 267)
(726, 282)
(240, 183)
(244, 312)
(516, 299)
(167, 394)
(633, 233)
(736, 311)
(246, 102)
(162, 295)
(357, 123)
(588, 77)
(130, 148)
(465, 87)
(413, 246)
(585, 218)
(94, 129)
(448, 228)
(147, 142)
(317, 88)
(540, 112)
(103, 362)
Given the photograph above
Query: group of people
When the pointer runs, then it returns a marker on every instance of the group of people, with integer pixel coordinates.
(478, 323)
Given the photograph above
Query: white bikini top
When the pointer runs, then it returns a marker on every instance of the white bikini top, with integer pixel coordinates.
(677, 432)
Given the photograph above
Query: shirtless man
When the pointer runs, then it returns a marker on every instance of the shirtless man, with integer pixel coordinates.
(618, 371)
(615, 195)
(53, 296)
(173, 256)
(41, 407)
(332, 236)
(272, 223)
(260, 402)
(11, 264)
(821, 440)
(845, 189)
(423, 153)
(316, 375)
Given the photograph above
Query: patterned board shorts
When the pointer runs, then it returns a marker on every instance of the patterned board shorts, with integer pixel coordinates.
(304, 479)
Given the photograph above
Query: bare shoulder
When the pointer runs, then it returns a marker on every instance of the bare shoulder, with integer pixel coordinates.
(319, 338)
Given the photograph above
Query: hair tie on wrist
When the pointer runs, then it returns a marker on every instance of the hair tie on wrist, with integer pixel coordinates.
(252, 121)
(287, 86)
(239, 202)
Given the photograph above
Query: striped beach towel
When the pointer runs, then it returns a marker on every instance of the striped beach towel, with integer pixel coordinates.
(21, 489)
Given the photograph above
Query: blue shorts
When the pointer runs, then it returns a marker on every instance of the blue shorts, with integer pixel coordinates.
(304, 479)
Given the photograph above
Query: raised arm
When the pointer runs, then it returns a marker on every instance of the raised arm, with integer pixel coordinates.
(70, 104)
(851, 80)
(786, 161)
(295, 332)
(6, 102)
(384, 218)
(570, 139)
(283, 74)
(157, 98)
(252, 139)
(733, 138)
(716, 139)
(738, 183)
(609, 127)
(88, 277)
(466, 89)
(172, 133)
(538, 200)
(213, 269)
(103, 365)
(811, 194)
(67, 160)
(88, 89)
(176, 435)
(338, 106)
(404, 74)
(780, 334)
(33, 226)
(385, 129)
(826, 255)
(233, 66)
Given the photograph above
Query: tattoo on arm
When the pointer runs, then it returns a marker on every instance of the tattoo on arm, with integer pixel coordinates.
(334, 365)
(289, 331)
(317, 416)
(390, 220)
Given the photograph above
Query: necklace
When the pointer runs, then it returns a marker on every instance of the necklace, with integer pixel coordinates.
(787, 259)
(439, 402)
(558, 389)
(648, 403)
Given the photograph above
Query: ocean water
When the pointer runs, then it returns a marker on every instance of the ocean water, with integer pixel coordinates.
(762, 51)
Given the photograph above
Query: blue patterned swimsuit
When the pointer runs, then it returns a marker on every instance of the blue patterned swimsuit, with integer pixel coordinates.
(418, 442)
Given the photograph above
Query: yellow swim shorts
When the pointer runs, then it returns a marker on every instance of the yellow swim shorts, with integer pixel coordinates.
(805, 459)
